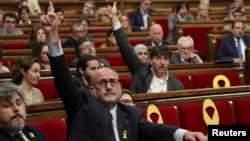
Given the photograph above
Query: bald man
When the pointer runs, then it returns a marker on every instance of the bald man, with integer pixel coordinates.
(156, 35)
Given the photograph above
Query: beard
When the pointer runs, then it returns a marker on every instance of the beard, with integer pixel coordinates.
(12, 126)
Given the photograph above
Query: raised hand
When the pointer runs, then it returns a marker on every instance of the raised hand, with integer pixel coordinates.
(50, 21)
(111, 11)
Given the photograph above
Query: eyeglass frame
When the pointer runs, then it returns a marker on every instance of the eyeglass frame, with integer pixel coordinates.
(127, 101)
(103, 83)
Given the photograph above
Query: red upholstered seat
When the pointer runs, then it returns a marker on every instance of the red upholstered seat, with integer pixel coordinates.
(11, 46)
(48, 89)
(63, 31)
(126, 82)
(164, 23)
(205, 80)
(184, 80)
(9, 63)
(191, 116)
(101, 30)
(218, 42)
(54, 130)
(199, 36)
(242, 110)
(99, 43)
(69, 59)
(168, 113)
(115, 60)
(134, 42)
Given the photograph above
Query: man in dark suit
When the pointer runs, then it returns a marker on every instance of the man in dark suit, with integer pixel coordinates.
(139, 18)
(98, 116)
(229, 47)
(185, 53)
(13, 116)
(156, 36)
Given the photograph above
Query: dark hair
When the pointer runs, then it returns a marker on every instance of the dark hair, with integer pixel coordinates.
(20, 3)
(179, 6)
(84, 18)
(160, 50)
(24, 63)
(26, 8)
(11, 15)
(37, 48)
(32, 36)
(83, 60)
(79, 42)
(238, 11)
(59, 9)
(126, 91)
(238, 21)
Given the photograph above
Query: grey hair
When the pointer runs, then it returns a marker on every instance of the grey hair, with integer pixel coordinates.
(90, 2)
(7, 90)
(138, 47)
(185, 38)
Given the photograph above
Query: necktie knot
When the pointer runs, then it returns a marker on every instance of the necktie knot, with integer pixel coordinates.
(20, 137)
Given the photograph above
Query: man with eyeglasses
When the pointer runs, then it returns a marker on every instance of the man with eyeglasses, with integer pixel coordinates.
(98, 116)
(85, 46)
(9, 25)
(185, 53)
(76, 32)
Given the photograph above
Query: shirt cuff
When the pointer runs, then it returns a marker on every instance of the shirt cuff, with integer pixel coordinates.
(116, 26)
(179, 134)
(55, 49)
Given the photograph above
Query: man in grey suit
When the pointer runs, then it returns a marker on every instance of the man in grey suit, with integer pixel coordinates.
(9, 25)
(181, 14)
(185, 53)
(98, 116)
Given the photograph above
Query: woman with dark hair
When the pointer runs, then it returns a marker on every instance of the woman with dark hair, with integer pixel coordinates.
(26, 73)
(40, 51)
(110, 40)
(126, 97)
(36, 35)
(23, 15)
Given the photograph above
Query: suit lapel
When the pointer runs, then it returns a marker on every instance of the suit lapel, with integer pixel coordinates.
(123, 124)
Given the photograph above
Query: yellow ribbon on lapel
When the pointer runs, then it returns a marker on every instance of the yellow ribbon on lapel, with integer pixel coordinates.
(215, 118)
(32, 135)
(153, 109)
(220, 78)
(124, 134)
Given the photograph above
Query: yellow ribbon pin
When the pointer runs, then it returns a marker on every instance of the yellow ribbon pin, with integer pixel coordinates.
(124, 134)
(32, 135)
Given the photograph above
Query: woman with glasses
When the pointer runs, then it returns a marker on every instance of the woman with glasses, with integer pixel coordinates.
(126, 97)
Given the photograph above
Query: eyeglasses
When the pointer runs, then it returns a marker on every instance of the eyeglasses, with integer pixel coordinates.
(186, 48)
(103, 83)
(8, 22)
(127, 101)
(77, 32)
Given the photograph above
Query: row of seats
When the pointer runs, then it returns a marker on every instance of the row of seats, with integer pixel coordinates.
(191, 116)
(195, 81)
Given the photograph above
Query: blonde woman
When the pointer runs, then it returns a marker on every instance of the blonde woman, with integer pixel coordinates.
(203, 13)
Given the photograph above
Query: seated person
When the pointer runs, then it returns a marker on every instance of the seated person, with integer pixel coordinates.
(77, 31)
(86, 25)
(40, 51)
(233, 46)
(60, 14)
(181, 14)
(101, 17)
(13, 116)
(85, 46)
(126, 97)
(37, 35)
(124, 22)
(185, 53)
(139, 17)
(23, 15)
(142, 52)
(237, 15)
(26, 74)
(203, 13)
(86, 66)
(88, 8)
(155, 36)
(207, 3)
(9, 25)
(110, 40)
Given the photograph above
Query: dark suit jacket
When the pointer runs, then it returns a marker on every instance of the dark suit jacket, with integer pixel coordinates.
(103, 63)
(175, 59)
(70, 43)
(29, 131)
(88, 119)
(228, 48)
(136, 20)
(149, 43)
(142, 73)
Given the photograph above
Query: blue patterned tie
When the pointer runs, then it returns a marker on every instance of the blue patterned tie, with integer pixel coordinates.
(239, 49)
